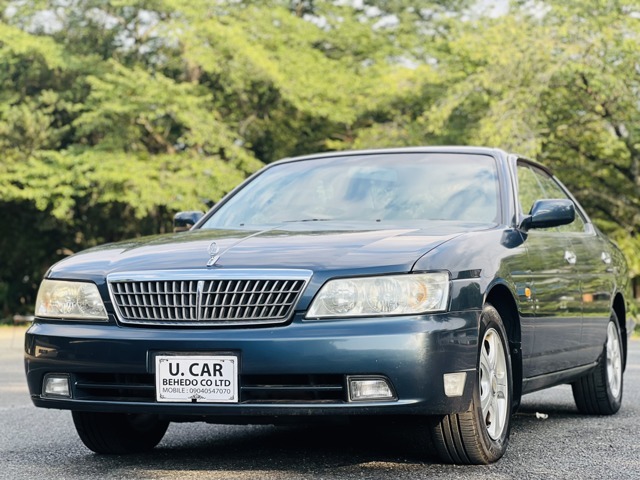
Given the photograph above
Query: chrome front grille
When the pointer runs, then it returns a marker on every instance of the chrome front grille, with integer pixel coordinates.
(219, 298)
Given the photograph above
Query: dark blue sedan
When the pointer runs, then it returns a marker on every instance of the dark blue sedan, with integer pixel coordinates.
(434, 286)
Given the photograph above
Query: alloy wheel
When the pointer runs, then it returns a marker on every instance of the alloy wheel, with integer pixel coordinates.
(614, 360)
(494, 388)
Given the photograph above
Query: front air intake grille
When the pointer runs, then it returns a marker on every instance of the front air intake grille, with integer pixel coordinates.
(221, 298)
(254, 389)
(293, 389)
(114, 387)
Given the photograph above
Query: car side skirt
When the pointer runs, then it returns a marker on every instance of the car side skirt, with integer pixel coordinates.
(540, 382)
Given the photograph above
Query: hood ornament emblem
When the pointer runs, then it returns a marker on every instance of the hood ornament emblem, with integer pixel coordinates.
(214, 253)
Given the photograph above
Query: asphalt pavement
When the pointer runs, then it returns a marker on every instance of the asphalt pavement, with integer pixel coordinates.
(549, 440)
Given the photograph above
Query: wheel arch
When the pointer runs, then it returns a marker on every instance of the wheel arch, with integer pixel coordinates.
(500, 296)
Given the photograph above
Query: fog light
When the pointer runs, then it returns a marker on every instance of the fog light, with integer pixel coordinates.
(369, 388)
(454, 383)
(56, 385)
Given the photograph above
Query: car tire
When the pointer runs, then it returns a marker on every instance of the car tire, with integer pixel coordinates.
(600, 391)
(481, 434)
(119, 433)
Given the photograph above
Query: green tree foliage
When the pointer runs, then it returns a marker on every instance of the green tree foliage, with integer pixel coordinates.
(116, 114)
(555, 80)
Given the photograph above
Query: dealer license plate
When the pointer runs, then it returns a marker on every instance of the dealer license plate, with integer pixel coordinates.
(197, 378)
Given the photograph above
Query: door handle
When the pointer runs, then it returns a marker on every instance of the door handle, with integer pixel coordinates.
(570, 257)
(606, 258)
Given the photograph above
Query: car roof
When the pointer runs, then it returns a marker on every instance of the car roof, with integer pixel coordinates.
(472, 150)
(496, 152)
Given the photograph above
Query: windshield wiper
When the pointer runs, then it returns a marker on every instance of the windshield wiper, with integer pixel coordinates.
(308, 220)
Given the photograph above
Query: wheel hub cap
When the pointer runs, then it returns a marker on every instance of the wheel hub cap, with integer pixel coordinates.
(494, 388)
(614, 361)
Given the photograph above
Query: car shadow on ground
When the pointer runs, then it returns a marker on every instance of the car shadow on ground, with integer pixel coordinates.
(312, 450)
(311, 446)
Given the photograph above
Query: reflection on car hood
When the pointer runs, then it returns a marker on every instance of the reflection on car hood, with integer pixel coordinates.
(314, 246)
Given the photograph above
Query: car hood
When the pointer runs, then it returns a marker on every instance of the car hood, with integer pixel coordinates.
(308, 246)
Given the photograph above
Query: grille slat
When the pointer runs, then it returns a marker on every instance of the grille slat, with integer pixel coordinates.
(205, 301)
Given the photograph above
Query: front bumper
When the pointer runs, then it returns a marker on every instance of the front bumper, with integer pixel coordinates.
(111, 367)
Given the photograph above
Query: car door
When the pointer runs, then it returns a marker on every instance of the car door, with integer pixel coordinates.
(593, 269)
(597, 282)
(556, 320)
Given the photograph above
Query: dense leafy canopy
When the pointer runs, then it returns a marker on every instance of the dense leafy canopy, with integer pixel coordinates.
(116, 114)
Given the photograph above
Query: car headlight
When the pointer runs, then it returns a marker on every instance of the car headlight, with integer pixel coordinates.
(73, 300)
(382, 295)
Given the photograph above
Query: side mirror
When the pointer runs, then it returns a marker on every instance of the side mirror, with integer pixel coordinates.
(183, 221)
(549, 213)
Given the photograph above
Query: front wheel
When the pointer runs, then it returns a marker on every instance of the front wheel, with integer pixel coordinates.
(119, 433)
(600, 391)
(481, 434)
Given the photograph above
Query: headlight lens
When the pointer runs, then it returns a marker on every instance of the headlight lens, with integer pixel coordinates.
(75, 300)
(383, 295)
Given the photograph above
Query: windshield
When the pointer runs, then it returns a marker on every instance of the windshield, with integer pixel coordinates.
(394, 187)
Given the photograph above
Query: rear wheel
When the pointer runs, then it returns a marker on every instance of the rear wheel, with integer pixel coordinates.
(119, 433)
(600, 391)
(481, 434)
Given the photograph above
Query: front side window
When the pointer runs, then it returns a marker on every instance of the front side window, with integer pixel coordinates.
(534, 184)
(402, 188)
